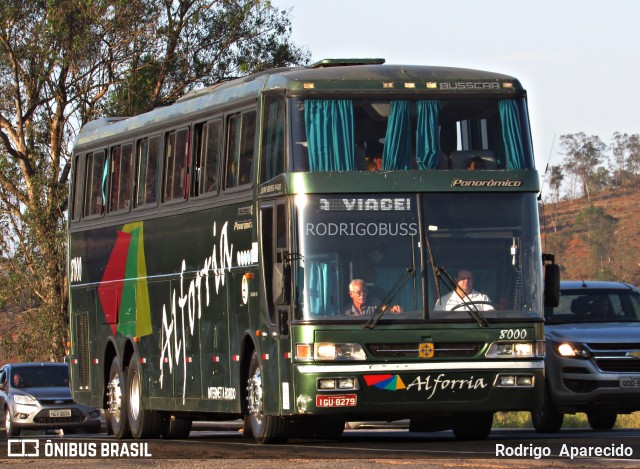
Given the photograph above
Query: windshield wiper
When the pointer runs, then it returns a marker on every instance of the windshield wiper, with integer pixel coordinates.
(377, 314)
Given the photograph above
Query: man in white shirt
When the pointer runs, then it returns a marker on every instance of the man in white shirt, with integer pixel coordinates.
(464, 293)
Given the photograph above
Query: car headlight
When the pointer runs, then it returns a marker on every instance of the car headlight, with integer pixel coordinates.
(571, 350)
(323, 351)
(516, 350)
(24, 400)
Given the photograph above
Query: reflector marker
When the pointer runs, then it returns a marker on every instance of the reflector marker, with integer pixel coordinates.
(236, 358)
(265, 356)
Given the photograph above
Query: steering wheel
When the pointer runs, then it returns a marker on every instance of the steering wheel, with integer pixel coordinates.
(471, 302)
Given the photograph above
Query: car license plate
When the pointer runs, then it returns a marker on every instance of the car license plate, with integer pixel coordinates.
(338, 400)
(60, 413)
(630, 382)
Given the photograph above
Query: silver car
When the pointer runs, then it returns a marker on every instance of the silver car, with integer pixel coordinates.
(37, 396)
(593, 355)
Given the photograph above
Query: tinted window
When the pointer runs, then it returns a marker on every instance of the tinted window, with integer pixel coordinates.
(209, 149)
(76, 210)
(240, 148)
(176, 165)
(95, 184)
(39, 376)
(595, 305)
(272, 138)
(148, 170)
(121, 160)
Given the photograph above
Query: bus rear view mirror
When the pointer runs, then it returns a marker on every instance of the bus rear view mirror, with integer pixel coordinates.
(551, 285)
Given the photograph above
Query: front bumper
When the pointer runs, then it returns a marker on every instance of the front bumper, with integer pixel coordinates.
(406, 389)
(44, 418)
(576, 385)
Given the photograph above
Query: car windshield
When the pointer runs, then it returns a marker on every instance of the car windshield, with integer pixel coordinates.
(39, 376)
(583, 306)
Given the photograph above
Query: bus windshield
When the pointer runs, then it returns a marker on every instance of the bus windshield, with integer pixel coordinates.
(380, 240)
(397, 134)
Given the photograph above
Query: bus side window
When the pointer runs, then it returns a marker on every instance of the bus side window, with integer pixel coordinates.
(240, 149)
(176, 165)
(273, 120)
(207, 157)
(95, 184)
(78, 172)
(120, 177)
(148, 161)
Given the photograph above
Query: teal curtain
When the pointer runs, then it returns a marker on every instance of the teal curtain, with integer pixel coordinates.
(330, 134)
(320, 287)
(427, 145)
(105, 176)
(397, 141)
(511, 133)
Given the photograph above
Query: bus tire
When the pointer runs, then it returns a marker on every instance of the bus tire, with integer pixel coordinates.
(142, 422)
(266, 429)
(116, 412)
(176, 428)
(601, 419)
(547, 419)
(472, 425)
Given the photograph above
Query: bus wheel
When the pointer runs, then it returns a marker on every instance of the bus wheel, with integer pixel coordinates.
(116, 413)
(472, 425)
(601, 419)
(176, 427)
(265, 428)
(143, 423)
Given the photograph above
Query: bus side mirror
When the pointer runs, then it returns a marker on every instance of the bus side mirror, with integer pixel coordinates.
(281, 283)
(551, 285)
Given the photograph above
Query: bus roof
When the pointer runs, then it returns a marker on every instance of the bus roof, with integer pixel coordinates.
(329, 75)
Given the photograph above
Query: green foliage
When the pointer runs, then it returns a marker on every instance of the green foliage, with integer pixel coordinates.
(65, 62)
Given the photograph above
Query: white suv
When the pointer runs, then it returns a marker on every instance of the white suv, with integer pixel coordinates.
(593, 355)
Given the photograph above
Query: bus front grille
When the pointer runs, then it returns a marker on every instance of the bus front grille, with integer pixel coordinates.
(412, 350)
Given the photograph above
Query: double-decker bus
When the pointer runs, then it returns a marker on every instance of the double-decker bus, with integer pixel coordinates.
(214, 244)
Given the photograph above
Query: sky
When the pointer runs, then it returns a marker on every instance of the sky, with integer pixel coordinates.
(579, 60)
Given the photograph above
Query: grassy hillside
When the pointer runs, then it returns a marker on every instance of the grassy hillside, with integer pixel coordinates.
(561, 236)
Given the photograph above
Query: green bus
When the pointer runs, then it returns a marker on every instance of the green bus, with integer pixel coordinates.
(284, 248)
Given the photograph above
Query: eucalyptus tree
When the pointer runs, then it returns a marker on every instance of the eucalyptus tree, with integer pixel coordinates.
(65, 62)
(583, 153)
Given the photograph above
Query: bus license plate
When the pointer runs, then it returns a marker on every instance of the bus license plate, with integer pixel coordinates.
(630, 382)
(60, 413)
(339, 400)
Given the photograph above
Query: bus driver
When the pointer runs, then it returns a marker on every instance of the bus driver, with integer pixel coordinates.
(464, 293)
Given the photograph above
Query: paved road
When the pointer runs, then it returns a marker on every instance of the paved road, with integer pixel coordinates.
(223, 446)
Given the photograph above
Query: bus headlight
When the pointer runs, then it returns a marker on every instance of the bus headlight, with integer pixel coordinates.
(515, 350)
(332, 351)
